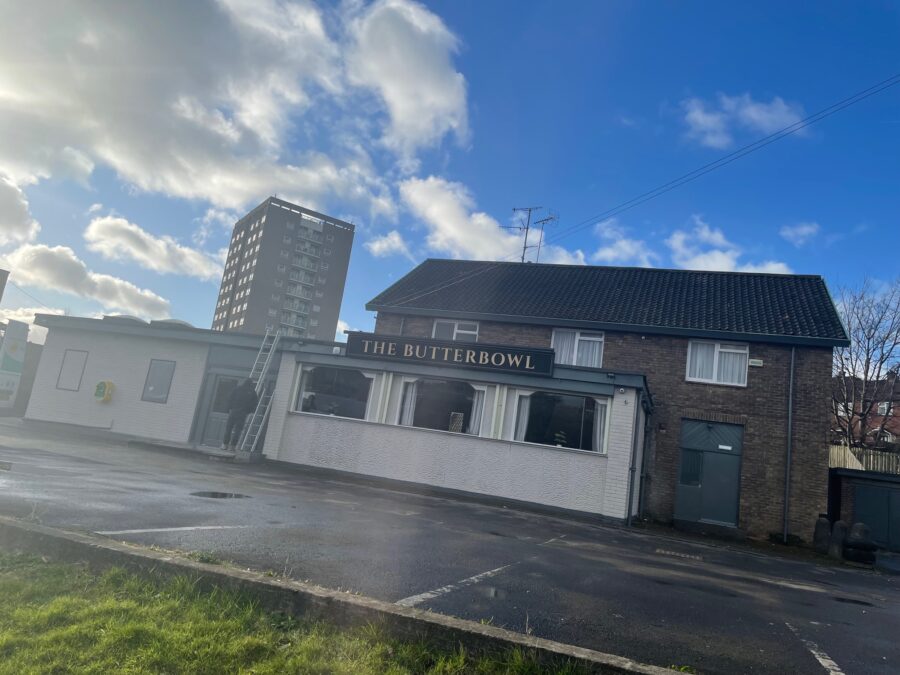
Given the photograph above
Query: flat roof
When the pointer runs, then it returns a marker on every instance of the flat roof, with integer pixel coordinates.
(168, 329)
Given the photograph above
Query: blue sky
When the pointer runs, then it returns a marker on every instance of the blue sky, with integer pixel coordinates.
(134, 135)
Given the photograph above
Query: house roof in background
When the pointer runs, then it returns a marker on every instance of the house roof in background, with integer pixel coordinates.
(786, 308)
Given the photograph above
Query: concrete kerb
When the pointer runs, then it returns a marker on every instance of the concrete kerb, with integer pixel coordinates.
(306, 600)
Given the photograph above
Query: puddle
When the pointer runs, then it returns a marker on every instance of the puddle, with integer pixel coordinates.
(220, 495)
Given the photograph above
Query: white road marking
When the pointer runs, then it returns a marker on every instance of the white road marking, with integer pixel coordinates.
(679, 555)
(414, 600)
(824, 660)
(176, 529)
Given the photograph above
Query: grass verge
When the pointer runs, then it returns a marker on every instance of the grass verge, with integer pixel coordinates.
(59, 618)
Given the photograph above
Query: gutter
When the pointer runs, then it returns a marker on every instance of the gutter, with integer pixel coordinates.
(789, 448)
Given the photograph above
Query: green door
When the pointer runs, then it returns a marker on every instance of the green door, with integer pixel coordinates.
(709, 475)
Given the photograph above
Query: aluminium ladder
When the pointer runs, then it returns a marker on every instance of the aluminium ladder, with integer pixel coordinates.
(259, 376)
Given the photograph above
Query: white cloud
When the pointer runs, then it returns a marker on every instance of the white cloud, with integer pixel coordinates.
(117, 239)
(447, 210)
(404, 52)
(16, 223)
(715, 124)
(389, 244)
(619, 249)
(36, 334)
(57, 268)
(708, 127)
(341, 327)
(800, 233)
(208, 117)
(759, 116)
(96, 207)
(706, 248)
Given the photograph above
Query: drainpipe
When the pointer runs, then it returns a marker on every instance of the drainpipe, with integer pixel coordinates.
(787, 467)
(634, 444)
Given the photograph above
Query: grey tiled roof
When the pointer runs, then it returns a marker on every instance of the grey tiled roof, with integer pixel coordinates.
(783, 307)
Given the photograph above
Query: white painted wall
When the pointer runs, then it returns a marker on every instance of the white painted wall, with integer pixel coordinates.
(581, 481)
(123, 360)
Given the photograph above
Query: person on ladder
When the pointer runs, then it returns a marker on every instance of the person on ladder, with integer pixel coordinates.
(242, 402)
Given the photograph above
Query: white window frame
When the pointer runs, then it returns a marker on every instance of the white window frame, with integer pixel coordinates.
(605, 401)
(733, 347)
(886, 406)
(456, 330)
(409, 379)
(587, 335)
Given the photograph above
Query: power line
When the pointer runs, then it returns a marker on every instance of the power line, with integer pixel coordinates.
(735, 155)
(692, 175)
(15, 285)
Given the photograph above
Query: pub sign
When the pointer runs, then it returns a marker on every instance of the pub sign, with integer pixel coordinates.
(528, 361)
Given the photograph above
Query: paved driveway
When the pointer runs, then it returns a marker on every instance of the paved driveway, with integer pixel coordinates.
(656, 599)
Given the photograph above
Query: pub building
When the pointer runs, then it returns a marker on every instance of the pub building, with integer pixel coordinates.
(684, 396)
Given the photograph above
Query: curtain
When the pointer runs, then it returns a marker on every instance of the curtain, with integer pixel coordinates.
(590, 353)
(563, 343)
(408, 408)
(599, 425)
(703, 357)
(732, 367)
(477, 409)
(522, 417)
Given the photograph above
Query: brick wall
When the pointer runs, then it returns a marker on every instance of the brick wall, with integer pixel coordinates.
(761, 407)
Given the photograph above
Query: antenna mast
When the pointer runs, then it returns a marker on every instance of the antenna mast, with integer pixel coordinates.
(552, 218)
(526, 226)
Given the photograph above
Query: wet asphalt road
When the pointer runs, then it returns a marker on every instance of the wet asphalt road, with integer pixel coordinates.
(652, 598)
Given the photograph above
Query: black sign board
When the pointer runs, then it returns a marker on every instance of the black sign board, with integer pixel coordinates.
(528, 361)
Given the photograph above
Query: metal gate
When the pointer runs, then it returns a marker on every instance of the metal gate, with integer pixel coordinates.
(879, 508)
(709, 475)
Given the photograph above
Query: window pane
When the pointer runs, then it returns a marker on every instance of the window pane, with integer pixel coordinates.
(468, 327)
(71, 370)
(224, 387)
(702, 360)
(443, 330)
(335, 391)
(563, 344)
(732, 367)
(159, 381)
(443, 405)
(466, 337)
(561, 420)
(590, 353)
(691, 467)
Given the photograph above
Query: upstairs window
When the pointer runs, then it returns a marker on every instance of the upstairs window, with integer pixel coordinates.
(578, 348)
(460, 331)
(718, 362)
(884, 408)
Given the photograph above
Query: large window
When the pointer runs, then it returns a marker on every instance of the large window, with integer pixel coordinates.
(578, 348)
(460, 331)
(442, 405)
(717, 362)
(334, 391)
(884, 408)
(159, 381)
(71, 370)
(562, 420)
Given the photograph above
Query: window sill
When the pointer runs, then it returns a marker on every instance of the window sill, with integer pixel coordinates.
(715, 384)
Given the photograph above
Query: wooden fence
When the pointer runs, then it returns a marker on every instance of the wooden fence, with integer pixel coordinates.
(863, 459)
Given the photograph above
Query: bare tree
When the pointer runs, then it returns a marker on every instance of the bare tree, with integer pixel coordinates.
(866, 372)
